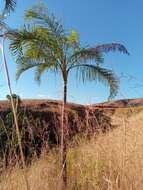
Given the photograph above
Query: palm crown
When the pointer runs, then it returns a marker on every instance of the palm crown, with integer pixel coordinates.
(45, 45)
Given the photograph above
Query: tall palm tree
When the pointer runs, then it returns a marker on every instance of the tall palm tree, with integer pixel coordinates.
(45, 45)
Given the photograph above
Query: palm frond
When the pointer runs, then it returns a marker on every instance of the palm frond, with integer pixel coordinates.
(34, 47)
(41, 67)
(34, 42)
(19, 38)
(23, 39)
(39, 15)
(88, 72)
(105, 48)
(9, 6)
(24, 66)
(40, 70)
(85, 54)
(4, 26)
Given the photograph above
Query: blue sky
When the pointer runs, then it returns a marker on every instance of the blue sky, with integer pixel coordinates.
(97, 22)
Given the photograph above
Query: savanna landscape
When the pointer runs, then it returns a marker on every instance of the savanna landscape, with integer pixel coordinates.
(56, 144)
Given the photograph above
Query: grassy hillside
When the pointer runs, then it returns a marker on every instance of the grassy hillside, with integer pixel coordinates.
(110, 161)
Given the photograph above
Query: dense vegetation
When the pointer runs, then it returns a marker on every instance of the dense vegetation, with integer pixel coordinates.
(41, 129)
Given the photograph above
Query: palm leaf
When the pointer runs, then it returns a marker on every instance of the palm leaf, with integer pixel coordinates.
(42, 67)
(39, 71)
(34, 41)
(85, 54)
(105, 48)
(24, 66)
(9, 6)
(3, 25)
(40, 16)
(88, 72)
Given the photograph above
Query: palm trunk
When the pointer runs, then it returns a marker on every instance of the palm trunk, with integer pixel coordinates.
(64, 138)
(65, 92)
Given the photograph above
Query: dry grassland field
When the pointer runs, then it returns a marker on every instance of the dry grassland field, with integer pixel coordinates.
(107, 161)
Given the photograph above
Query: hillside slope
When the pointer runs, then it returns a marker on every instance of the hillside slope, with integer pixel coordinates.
(121, 103)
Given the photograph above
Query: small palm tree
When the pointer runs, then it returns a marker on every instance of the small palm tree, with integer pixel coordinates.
(45, 45)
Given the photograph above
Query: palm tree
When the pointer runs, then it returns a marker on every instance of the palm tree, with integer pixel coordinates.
(45, 45)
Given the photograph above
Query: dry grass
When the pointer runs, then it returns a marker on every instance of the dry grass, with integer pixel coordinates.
(113, 161)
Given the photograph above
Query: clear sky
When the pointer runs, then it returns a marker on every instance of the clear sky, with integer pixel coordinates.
(97, 22)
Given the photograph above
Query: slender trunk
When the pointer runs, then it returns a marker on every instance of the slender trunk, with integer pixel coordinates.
(64, 138)
(15, 115)
(65, 92)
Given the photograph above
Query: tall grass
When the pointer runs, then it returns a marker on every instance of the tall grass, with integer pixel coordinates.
(111, 161)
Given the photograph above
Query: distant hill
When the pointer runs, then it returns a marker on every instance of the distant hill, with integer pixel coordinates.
(123, 103)
(41, 105)
(45, 104)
